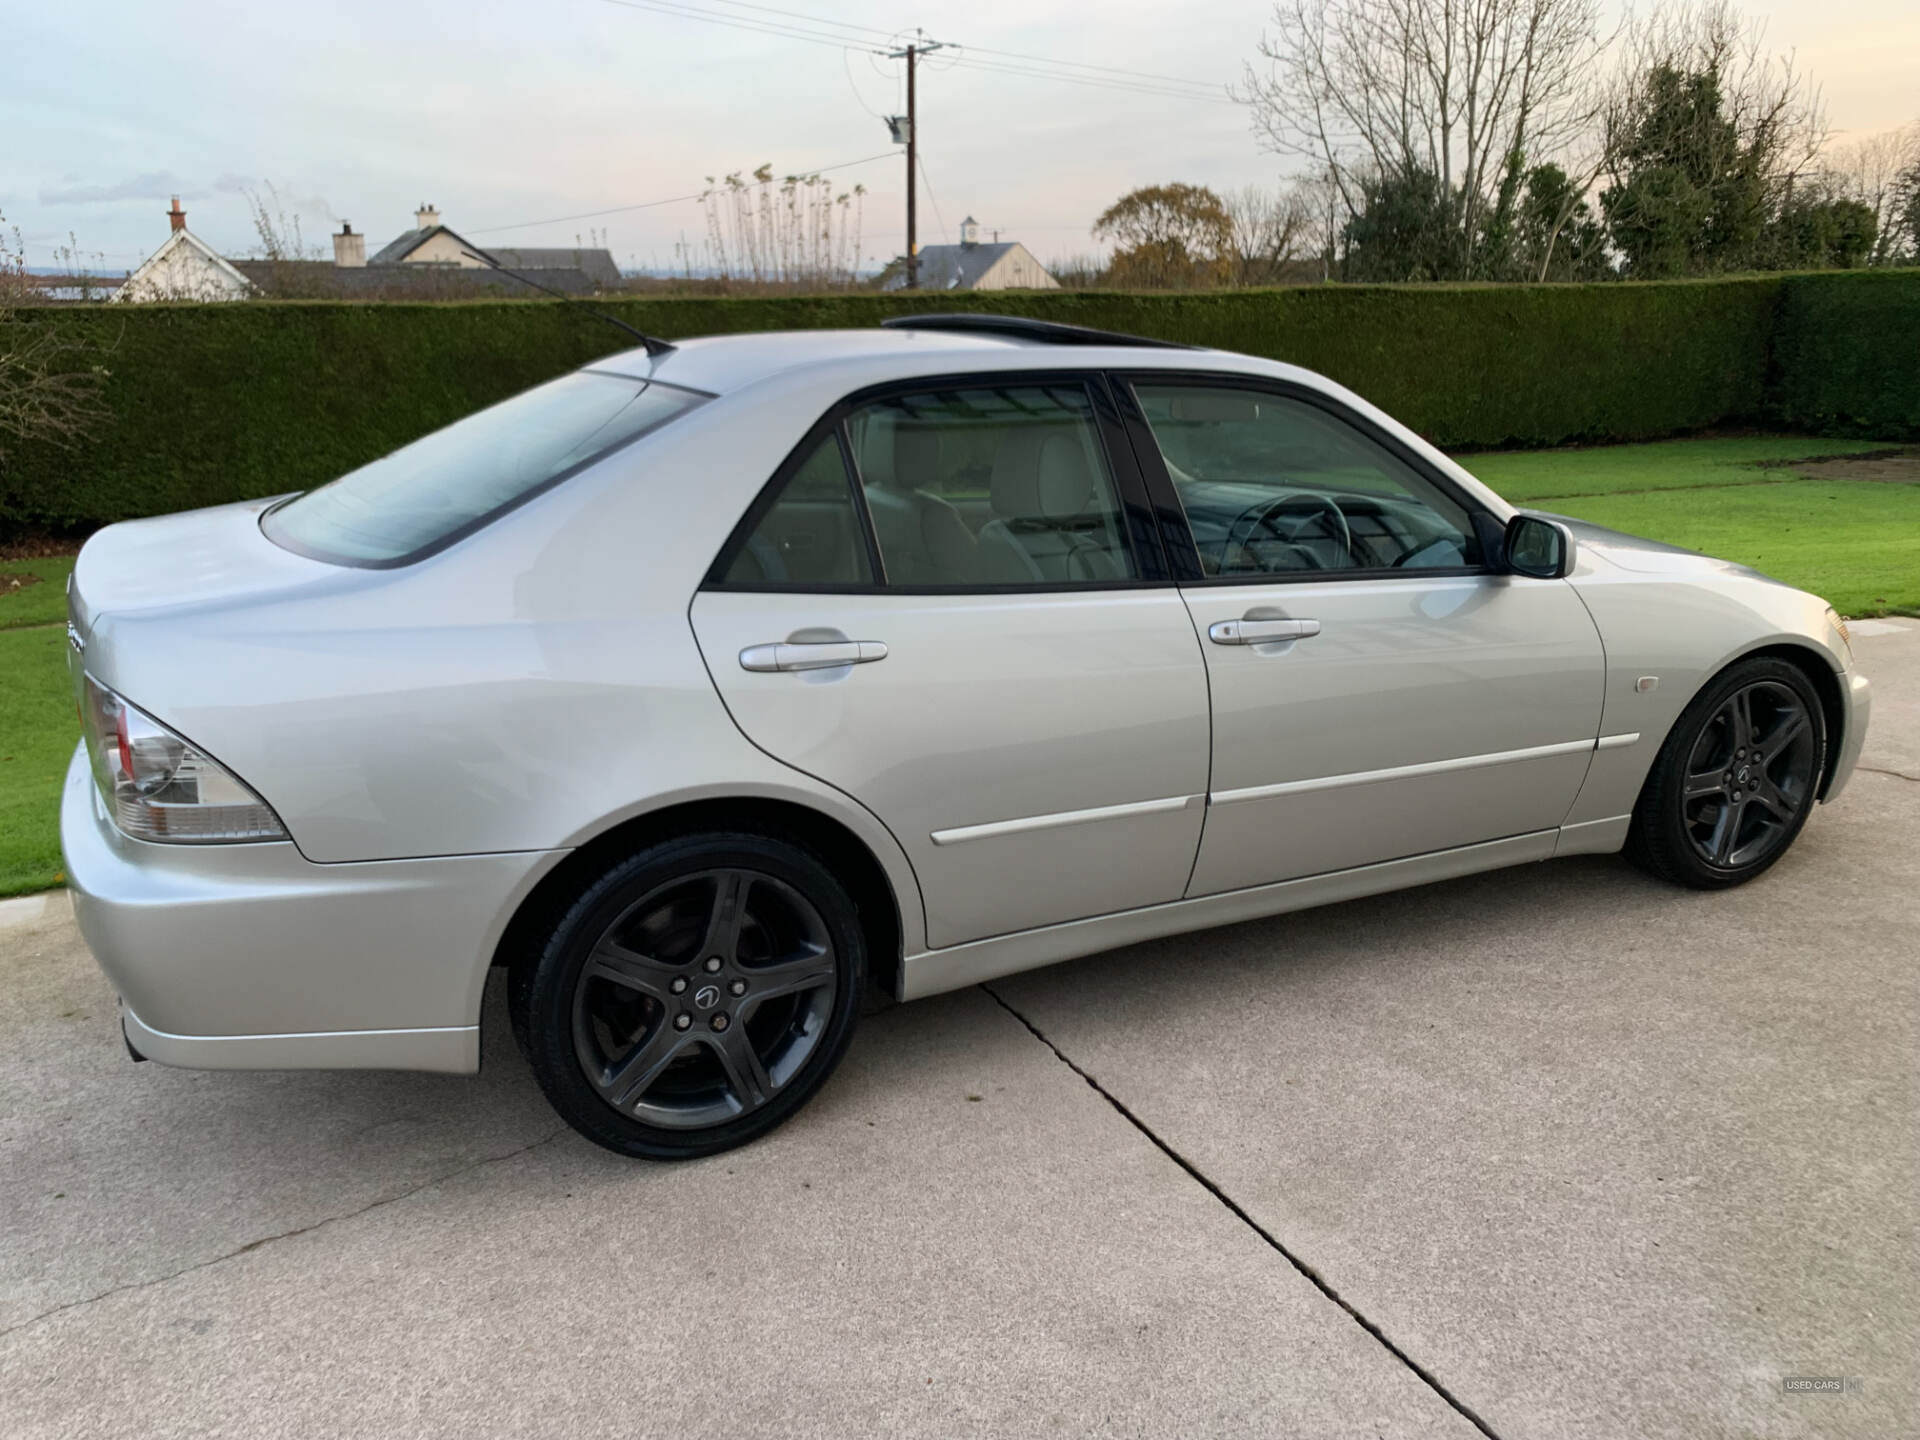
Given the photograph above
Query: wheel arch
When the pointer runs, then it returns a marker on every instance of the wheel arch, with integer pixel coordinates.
(883, 917)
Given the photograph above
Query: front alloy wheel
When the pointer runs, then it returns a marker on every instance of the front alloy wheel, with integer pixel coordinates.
(1735, 780)
(695, 996)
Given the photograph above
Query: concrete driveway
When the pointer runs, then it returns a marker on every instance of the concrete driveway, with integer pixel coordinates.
(1557, 1151)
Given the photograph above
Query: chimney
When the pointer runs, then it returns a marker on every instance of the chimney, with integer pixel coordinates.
(349, 249)
(426, 217)
(176, 216)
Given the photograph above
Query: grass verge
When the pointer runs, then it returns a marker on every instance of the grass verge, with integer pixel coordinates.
(1525, 476)
(1855, 542)
(37, 734)
(34, 592)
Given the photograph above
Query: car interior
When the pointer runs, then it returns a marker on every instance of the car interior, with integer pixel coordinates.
(1009, 486)
(1273, 484)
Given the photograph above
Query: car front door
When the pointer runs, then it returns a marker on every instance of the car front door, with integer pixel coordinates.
(1377, 691)
(951, 603)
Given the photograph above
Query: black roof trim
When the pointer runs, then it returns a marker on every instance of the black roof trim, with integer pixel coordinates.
(1018, 327)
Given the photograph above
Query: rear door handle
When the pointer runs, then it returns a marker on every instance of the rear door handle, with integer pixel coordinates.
(818, 655)
(1258, 632)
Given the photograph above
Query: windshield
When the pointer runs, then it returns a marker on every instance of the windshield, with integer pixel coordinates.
(450, 483)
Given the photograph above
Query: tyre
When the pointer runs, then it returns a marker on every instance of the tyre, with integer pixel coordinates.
(694, 996)
(1735, 780)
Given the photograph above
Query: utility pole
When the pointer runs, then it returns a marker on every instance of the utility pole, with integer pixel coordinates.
(910, 132)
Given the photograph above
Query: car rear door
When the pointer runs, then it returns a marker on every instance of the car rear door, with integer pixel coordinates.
(951, 603)
(1377, 692)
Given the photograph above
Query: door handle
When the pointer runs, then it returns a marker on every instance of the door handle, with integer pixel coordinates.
(1260, 632)
(816, 655)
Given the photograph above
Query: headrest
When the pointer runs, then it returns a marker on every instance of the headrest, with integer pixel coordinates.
(916, 455)
(1042, 472)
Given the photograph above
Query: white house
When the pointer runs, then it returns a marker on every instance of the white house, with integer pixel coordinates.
(431, 243)
(184, 268)
(971, 265)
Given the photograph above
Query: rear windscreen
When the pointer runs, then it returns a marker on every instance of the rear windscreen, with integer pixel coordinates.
(441, 487)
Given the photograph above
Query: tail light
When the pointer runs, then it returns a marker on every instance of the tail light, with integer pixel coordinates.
(158, 787)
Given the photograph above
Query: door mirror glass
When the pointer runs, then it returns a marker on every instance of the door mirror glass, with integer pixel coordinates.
(1539, 547)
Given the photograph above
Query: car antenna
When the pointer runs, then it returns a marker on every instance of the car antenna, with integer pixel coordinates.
(654, 345)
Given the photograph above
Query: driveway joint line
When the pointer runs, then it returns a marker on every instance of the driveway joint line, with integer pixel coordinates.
(266, 1240)
(1896, 774)
(1239, 1212)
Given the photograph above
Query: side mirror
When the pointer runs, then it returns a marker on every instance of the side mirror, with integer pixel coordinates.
(1539, 547)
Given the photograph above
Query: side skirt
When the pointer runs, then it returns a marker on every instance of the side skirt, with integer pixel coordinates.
(934, 971)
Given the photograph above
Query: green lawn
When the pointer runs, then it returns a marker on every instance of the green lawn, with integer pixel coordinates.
(1525, 476)
(42, 600)
(1855, 542)
(37, 733)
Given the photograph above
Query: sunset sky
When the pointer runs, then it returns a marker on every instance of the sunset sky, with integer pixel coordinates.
(507, 113)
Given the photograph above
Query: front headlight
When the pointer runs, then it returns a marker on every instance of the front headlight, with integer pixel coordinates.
(158, 787)
(1839, 628)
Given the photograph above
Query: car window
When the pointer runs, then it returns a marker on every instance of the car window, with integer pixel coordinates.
(1273, 484)
(990, 486)
(811, 534)
(407, 503)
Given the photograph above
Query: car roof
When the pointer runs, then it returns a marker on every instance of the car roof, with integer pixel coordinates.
(721, 364)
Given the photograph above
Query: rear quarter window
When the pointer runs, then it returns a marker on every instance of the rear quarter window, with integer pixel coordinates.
(443, 486)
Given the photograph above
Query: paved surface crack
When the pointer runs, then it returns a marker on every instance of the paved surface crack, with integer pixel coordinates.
(266, 1240)
(1312, 1276)
(1896, 774)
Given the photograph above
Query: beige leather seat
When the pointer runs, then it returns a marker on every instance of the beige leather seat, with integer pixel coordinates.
(923, 540)
(1050, 522)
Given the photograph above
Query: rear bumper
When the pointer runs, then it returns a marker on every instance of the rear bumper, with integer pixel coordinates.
(1856, 702)
(253, 957)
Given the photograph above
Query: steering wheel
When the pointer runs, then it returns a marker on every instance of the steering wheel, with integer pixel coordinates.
(1271, 517)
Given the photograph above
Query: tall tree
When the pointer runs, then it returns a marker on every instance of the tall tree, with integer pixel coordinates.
(1441, 99)
(1168, 237)
(1710, 135)
(1269, 231)
(1881, 172)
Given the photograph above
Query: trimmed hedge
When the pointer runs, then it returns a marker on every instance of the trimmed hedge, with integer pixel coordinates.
(222, 402)
(1846, 354)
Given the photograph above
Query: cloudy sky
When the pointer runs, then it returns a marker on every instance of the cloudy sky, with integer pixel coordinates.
(503, 113)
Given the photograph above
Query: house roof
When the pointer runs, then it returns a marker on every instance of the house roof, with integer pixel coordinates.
(179, 239)
(294, 279)
(403, 245)
(959, 267)
(597, 263)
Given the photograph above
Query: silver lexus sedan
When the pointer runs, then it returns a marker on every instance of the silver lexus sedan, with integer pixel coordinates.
(715, 686)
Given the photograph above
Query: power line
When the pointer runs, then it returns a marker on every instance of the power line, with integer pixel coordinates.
(1122, 86)
(934, 200)
(670, 200)
(1082, 65)
(885, 35)
(739, 22)
(809, 29)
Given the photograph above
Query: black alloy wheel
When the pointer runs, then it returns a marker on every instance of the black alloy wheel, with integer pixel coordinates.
(1736, 779)
(695, 996)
